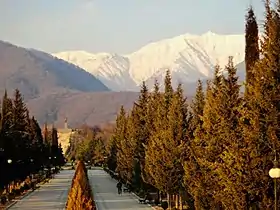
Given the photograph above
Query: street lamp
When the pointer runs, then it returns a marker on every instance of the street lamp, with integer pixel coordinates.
(274, 173)
(9, 161)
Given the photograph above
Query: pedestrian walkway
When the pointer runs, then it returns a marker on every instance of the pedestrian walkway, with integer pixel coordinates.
(50, 196)
(106, 194)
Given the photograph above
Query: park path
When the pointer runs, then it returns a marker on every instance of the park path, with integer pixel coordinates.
(50, 196)
(106, 196)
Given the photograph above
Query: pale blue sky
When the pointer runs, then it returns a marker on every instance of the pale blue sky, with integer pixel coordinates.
(120, 26)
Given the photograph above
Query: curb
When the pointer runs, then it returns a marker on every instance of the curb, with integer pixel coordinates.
(96, 206)
(140, 198)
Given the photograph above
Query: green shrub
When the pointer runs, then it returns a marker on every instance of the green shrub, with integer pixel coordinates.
(164, 205)
(3, 199)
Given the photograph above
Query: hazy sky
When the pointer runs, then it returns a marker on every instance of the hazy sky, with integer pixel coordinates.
(120, 26)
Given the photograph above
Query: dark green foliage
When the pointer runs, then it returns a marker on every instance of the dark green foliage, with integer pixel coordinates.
(21, 141)
(252, 44)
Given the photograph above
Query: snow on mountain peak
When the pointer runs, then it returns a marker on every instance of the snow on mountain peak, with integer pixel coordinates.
(189, 57)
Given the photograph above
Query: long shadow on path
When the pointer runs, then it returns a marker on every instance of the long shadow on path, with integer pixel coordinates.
(50, 196)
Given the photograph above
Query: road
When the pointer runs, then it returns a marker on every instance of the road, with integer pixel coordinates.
(105, 193)
(50, 196)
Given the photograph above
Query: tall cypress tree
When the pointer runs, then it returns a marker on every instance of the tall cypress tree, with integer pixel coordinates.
(7, 111)
(208, 142)
(193, 180)
(120, 136)
(252, 44)
(164, 148)
(37, 131)
(19, 112)
(20, 126)
(45, 134)
(154, 113)
(168, 90)
(127, 148)
(141, 133)
(228, 160)
(261, 126)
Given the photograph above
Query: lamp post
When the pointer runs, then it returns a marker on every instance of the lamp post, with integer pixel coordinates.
(50, 167)
(54, 163)
(274, 173)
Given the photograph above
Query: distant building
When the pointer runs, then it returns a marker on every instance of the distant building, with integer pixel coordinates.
(65, 123)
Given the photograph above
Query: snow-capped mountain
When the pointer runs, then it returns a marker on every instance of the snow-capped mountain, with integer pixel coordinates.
(189, 57)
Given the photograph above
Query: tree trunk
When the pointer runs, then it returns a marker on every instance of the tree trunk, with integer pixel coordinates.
(181, 202)
(169, 200)
(176, 201)
(196, 201)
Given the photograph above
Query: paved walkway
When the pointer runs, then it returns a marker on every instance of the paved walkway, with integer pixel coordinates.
(106, 196)
(50, 196)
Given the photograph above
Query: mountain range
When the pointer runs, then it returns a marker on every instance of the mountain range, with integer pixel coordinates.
(188, 57)
(90, 88)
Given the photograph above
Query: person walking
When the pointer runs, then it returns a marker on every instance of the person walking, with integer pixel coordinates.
(119, 186)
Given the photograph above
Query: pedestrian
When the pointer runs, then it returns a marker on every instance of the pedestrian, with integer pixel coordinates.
(119, 186)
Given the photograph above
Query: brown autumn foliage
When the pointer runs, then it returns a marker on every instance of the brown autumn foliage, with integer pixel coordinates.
(80, 195)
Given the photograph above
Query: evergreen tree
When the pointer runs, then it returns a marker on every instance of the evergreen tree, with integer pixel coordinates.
(80, 195)
(128, 146)
(54, 137)
(20, 133)
(154, 113)
(139, 133)
(252, 44)
(208, 145)
(7, 111)
(20, 141)
(120, 137)
(228, 163)
(260, 115)
(99, 151)
(45, 134)
(37, 131)
(193, 179)
(168, 91)
(164, 149)
(112, 154)
(19, 112)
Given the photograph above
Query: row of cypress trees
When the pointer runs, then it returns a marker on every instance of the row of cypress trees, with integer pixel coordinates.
(23, 148)
(217, 149)
(80, 196)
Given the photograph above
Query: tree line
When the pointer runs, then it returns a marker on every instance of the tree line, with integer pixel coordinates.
(89, 144)
(217, 149)
(24, 149)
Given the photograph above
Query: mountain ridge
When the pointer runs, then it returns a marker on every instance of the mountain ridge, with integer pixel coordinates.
(54, 88)
(189, 58)
(46, 82)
